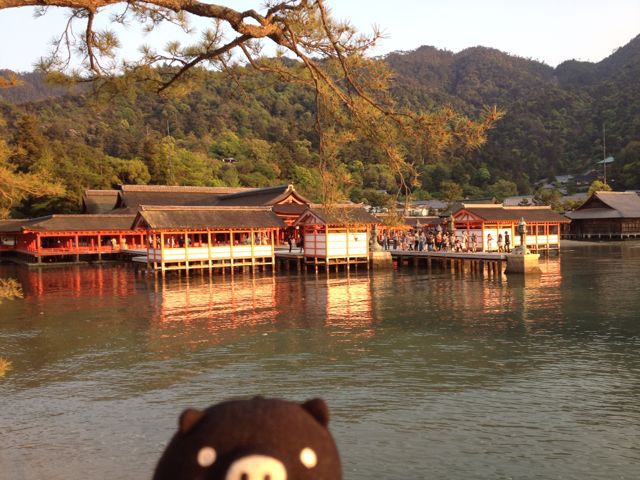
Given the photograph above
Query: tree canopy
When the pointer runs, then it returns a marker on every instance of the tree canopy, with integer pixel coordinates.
(352, 98)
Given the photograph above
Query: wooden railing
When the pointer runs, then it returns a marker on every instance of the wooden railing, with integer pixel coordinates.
(214, 253)
(81, 250)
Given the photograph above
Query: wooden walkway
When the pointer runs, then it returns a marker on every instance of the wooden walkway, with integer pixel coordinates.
(493, 263)
(475, 262)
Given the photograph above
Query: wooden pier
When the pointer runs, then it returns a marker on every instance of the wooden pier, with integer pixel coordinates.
(493, 263)
(296, 261)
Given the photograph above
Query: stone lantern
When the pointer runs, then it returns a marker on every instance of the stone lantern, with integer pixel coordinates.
(522, 231)
(522, 261)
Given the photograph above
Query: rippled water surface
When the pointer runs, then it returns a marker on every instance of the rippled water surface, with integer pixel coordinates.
(427, 374)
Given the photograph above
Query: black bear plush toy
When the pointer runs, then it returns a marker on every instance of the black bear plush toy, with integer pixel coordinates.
(256, 439)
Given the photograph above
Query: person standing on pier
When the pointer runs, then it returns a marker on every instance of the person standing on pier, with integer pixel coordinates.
(500, 243)
(457, 244)
(507, 242)
(465, 241)
(474, 242)
(489, 240)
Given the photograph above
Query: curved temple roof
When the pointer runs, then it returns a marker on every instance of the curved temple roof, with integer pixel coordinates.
(608, 205)
(69, 223)
(507, 214)
(194, 218)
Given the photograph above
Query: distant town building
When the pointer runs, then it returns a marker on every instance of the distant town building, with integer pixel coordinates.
(421, 208)
(519, 200)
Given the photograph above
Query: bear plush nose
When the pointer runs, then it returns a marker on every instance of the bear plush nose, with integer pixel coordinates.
(256, 467)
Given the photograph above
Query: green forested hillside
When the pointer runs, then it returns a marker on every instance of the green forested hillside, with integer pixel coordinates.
(253, 130)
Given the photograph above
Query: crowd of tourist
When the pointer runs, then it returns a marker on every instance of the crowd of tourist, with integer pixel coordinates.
(443, 241)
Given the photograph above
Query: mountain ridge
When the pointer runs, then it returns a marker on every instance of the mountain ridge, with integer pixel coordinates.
(552, 125)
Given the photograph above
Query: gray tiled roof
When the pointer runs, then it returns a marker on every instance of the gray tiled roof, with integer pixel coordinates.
(12, 225)
(172, 217)
(99, 201)
(530, 214)
(589, 213)
(132, 196)
(77, 223)
(627, 203)
(261, 196)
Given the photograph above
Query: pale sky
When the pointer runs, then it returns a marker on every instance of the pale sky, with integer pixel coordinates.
(551, 31)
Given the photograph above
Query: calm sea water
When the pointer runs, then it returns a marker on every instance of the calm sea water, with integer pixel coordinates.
(428, 375)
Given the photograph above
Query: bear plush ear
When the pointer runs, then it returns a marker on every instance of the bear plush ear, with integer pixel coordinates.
(188, 419)
(318, 409)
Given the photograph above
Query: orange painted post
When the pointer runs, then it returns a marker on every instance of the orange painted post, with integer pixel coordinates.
(209, 248)
(253, 258)
(186, 250)
(38, 246)
(273, 250)
(154, 245)
(147, 242)
(231, 248)
(162, 265)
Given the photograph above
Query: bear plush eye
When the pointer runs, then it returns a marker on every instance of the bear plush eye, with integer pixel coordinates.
(206, 457)
(308, 457)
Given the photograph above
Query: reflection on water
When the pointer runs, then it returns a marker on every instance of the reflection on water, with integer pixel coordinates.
(452, 372)
(197, 310)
